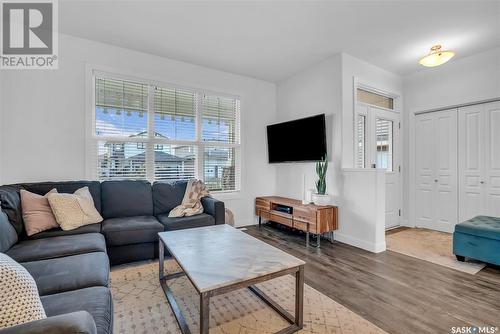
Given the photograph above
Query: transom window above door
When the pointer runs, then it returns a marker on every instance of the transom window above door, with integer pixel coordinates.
(145, 130)
(375, 99)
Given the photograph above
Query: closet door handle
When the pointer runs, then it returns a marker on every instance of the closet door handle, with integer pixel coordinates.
(435, 180)
(482, 182)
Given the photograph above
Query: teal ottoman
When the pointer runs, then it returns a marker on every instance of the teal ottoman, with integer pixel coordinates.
(479, 239)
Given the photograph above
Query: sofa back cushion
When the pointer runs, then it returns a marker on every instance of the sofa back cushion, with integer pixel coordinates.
(10, 202)
(126, 199)
(8, 235)
(68, 187)
(168, 195)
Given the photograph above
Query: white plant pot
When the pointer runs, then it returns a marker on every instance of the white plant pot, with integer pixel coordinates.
(321, 199)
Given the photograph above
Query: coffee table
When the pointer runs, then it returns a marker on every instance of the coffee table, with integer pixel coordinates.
(219, 259)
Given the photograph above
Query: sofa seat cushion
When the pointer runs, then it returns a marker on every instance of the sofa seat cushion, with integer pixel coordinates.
(481, 226)
(56, 232)
(131, 230)
(179, 223)
(49, 248)
(70, 272)
(95, 300)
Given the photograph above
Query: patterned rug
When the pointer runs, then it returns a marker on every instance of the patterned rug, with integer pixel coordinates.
(141, 307)
(429, 245)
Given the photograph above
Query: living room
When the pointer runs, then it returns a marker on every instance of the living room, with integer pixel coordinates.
(338, 158)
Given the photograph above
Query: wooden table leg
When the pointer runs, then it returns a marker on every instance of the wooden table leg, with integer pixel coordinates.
(204, 313)
(299, 297)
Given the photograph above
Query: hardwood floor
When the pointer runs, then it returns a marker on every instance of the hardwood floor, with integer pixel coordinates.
(398, 293)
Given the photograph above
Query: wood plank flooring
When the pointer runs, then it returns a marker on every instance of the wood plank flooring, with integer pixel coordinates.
(398, 293)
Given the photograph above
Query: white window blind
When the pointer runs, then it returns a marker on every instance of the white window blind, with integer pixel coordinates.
(121, 108)
(143, 130)
(361, 141)
(220, 132)
(384, 132)
(120, 160)
(175, 162)
(175, 113)
(219, 119)
(375, 99)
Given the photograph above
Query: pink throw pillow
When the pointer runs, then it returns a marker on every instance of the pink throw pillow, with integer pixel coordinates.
(37, 213)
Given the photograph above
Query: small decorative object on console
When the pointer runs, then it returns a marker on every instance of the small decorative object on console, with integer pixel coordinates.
(321, 197)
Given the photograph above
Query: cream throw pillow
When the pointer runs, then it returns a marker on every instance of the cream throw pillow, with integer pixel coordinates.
(74, 210)
(19, 299)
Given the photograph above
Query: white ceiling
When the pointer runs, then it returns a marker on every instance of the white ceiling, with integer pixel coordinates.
(273, 40)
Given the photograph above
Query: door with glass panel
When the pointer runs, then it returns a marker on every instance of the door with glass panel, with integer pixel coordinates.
(377, 146)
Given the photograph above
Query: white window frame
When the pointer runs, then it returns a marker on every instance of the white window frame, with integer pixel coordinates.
(91, 154)
(368, 118)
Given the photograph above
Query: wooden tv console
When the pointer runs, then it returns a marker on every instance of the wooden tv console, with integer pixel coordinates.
(309, 218)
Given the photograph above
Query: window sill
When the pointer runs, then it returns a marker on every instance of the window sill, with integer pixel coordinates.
(226, 195)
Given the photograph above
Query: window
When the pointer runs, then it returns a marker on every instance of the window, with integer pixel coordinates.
(361, 141)
(148, 131)
(384, 131)
(375, 99)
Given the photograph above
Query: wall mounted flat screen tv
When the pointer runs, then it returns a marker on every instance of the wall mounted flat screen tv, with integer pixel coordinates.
(298, 140)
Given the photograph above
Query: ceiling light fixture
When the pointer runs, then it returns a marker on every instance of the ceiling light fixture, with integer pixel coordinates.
(436, 57)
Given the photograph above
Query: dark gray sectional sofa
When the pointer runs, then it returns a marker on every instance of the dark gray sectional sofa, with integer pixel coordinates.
(71, 268)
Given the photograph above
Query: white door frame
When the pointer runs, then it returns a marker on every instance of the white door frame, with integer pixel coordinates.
(393, 115)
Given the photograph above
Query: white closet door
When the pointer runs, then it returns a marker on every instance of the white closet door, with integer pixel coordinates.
(471, 145)
(446, 178)
(424, 183)
(436, 165)
(491, 177)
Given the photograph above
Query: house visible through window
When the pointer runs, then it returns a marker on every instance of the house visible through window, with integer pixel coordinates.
(147, 131)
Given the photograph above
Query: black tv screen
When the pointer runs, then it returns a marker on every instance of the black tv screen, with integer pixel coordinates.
(298, 140)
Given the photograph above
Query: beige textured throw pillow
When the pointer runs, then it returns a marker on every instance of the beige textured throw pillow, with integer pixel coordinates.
(37, 214)
(74, 210)
(19, 299)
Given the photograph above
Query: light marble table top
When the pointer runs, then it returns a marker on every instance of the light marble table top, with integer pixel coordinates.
(220, 255)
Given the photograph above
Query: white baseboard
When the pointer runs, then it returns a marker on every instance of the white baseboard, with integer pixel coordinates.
(369, 246)
(245, 222)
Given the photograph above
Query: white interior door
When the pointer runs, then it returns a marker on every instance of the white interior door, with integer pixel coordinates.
(491, 177)
(424, 165)
(436, 170)
(446, 165)
(378, 143)
(471, 160)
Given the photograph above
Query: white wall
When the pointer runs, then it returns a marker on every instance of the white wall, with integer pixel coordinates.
(327, 88)
(362, 214)
(44, 130)
(470, 79)
(312, 91)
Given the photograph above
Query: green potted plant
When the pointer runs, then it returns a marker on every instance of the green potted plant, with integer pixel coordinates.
(321, 197)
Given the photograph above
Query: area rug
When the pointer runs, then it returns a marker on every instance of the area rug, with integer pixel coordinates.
(429, 245)
(141, 307)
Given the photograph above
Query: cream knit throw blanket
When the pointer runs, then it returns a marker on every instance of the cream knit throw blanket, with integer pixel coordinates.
(191, 203)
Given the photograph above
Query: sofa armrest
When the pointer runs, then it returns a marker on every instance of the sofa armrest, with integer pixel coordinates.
(214, 208)
(80, 322)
